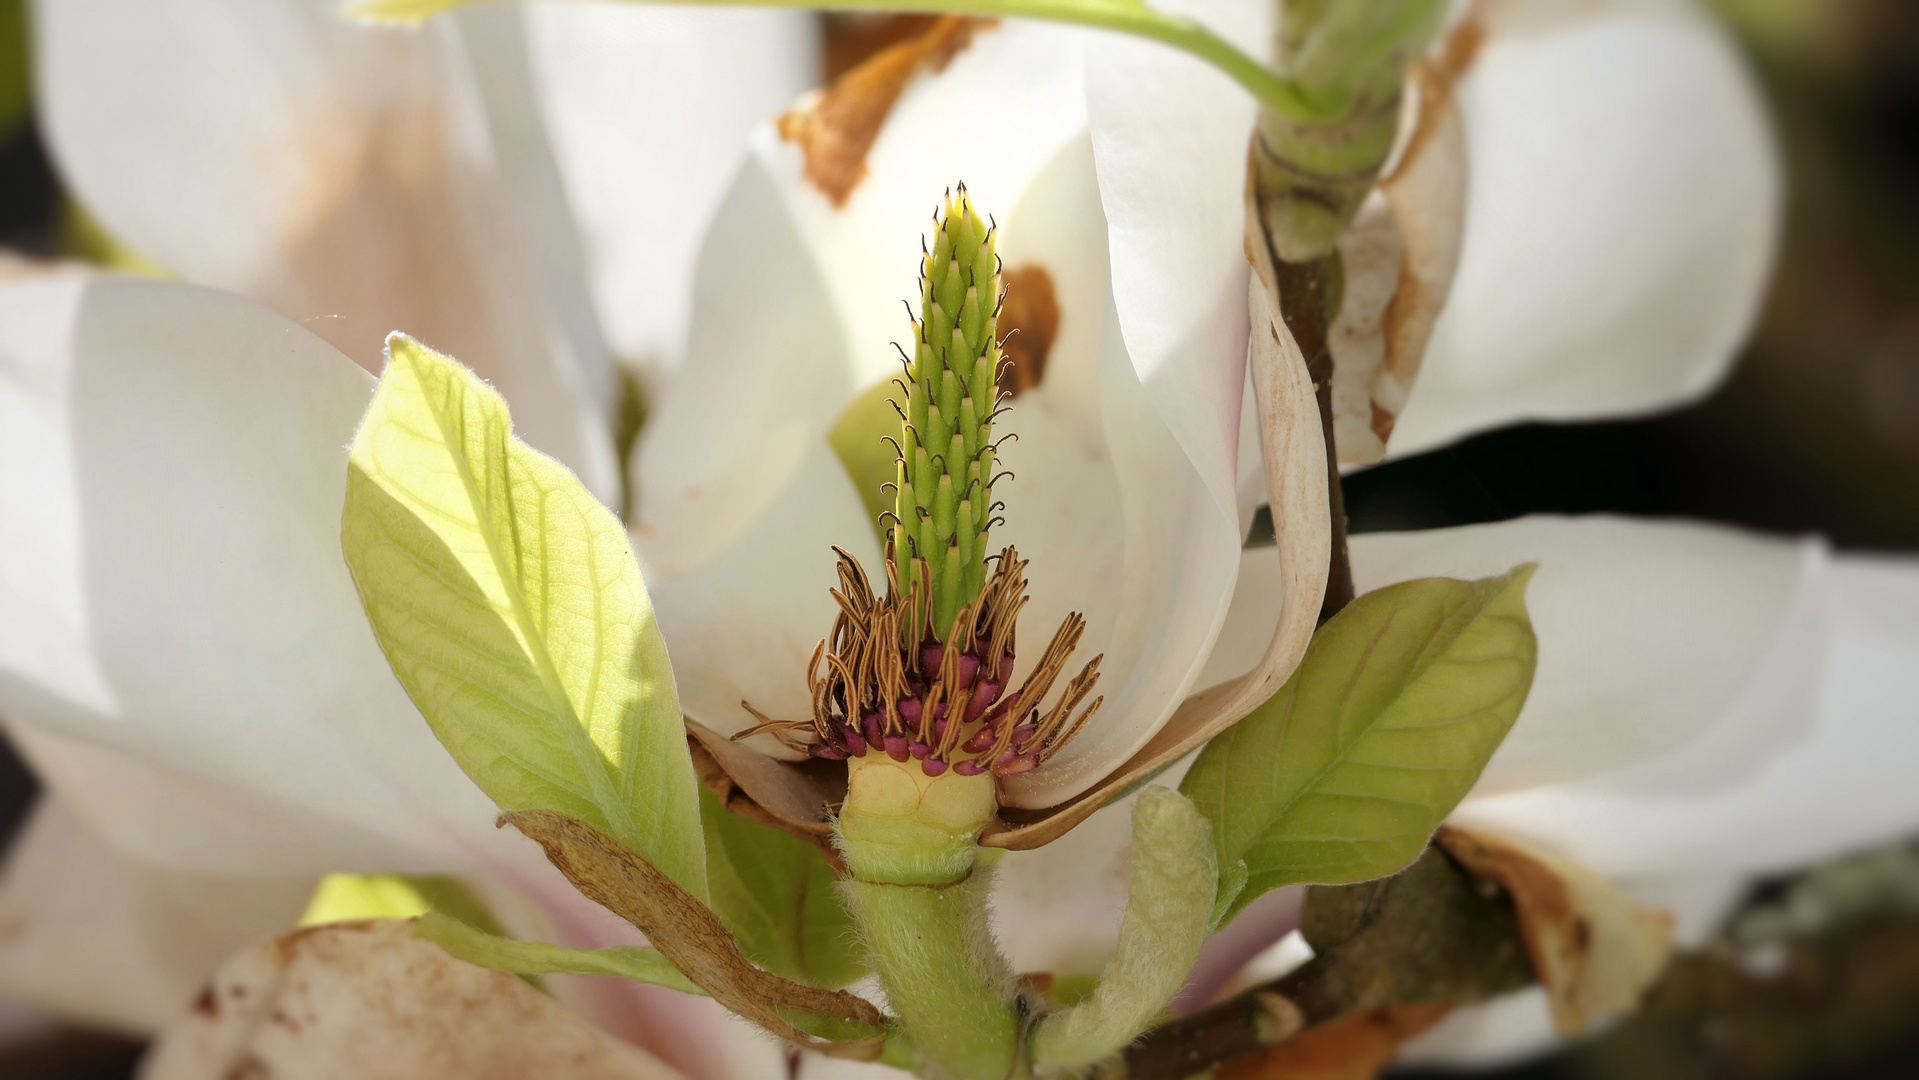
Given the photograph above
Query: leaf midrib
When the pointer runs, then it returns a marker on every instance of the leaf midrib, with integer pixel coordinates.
(592, 763)
(1341, 753)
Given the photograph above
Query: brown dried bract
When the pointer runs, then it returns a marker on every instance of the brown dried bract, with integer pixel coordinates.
(837, 127)
(689, 935)
(1029, 324)
(1595, 950)
(1400, 256)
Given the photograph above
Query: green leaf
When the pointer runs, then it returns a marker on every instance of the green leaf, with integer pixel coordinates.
(776, 894)
(351, 897)
(510, 606)
(641, 963)
(1344, 774)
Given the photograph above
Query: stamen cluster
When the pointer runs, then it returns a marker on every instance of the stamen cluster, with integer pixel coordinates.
(888, 687)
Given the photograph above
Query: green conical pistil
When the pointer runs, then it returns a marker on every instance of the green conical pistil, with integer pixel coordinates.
(945, 486)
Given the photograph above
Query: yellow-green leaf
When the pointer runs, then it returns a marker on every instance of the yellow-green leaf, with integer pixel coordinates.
(353, 897)
(641, 963)
(1344, 774)
(776, 894)
(509, 604)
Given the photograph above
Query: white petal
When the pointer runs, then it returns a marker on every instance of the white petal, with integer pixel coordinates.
(649, 109)
(1845, 785)
(351, 178)
(1621, 218)
(1686, 646)
(1170, 136)
(1152, 564)
(742, 626)
(95, 937)
(190, 447)
(768, 373)
(1500, 1033)
(194, 821)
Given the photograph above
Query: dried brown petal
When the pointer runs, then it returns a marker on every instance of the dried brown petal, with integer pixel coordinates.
(789, 796)
(366, 1000)
(836, 128)
(1399, 258)
(1595, 951)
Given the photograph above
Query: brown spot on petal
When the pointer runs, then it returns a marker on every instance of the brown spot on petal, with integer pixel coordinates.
(851, 38)
(836, 128)
(1029, 321)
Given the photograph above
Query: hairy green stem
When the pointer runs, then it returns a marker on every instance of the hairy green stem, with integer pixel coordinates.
(944, 976)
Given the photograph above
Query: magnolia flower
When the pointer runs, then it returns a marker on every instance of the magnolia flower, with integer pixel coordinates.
(203, 687)
(1118, 166)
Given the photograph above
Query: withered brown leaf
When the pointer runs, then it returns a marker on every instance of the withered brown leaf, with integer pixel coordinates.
(689, 935)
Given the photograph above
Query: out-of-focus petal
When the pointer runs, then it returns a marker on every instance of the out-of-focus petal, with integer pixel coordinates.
(172, 467)
(1691, 650)
(195, 821)
(1503, 1032)
(1844, 784)
(352, 178)
(1058, 909)
(648, 109)
(1709, 705)
(1621, 219)
(96, 937)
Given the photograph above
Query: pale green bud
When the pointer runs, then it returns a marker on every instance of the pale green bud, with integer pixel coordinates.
(1168, 915)
(940, 538)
